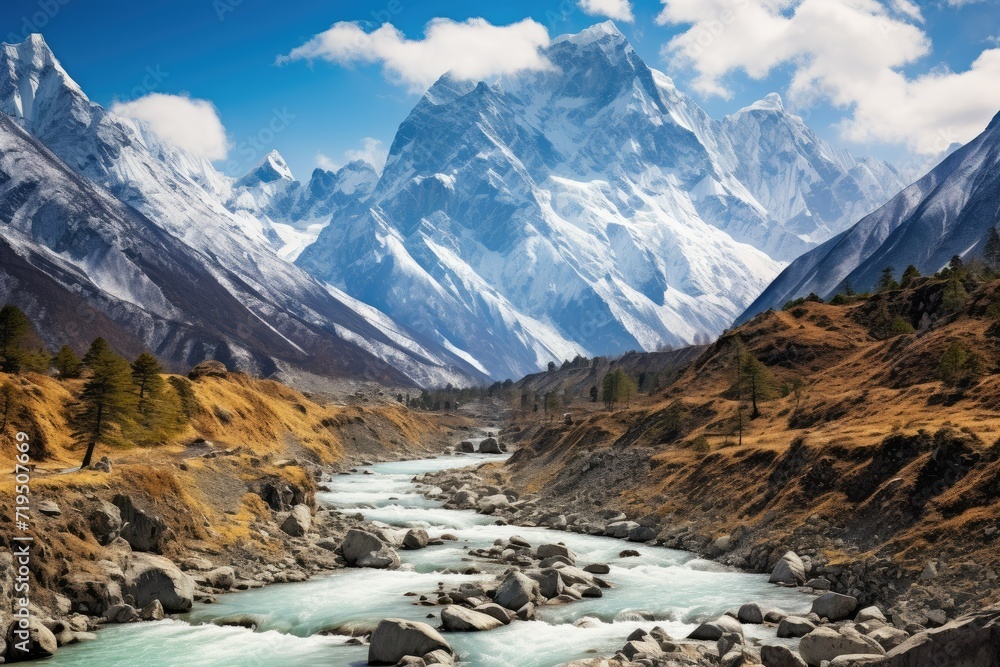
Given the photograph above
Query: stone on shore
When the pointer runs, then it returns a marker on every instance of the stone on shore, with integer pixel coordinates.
(298, 522)
(395, 638)
(780, 656)
(789, 570)
(750, 613)
(834, 606)
(795, 626)
(150, 577)
(826, 644)
(503, 615)
(36, 638)
(713, 630)
(460, 619)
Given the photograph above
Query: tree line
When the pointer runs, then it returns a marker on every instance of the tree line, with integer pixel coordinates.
(120, 402)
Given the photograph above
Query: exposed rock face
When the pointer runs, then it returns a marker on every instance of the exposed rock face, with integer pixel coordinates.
(36, 640)
(150, 577)
(489, 446)
(789, 570)
(210, 368)
(279, 494)
(970, 641)
(298, 522)
(460, 619)
(395, 638)
(105, 521)
(142, 528)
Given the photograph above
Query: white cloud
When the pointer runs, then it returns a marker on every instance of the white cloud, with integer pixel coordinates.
(619, 10)
(371, 151)
(848, 52)
(324, 162)
(190, 124)
(471, 50)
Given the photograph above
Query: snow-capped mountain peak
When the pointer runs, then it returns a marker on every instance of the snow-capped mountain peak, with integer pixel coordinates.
(272, 168)
(771, 102)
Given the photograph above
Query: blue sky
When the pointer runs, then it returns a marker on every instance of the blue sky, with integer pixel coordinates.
(224, 51)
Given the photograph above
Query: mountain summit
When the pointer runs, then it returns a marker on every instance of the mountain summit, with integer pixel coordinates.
(590, 208)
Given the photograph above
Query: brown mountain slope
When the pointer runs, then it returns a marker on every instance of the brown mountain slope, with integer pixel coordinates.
(872, 467)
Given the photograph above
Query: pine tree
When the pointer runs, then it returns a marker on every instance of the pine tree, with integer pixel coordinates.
(97, 349)
(66, 363)
(107, 400)
(991, 251)
(909, 275)
(14, 328)
(887, 281)
(617, 387)
(753, 379)
(146, 371)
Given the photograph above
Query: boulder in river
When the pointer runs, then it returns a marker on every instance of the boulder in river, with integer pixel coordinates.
(29, 640)
(395, 638)
(834, 606)
(789, 570)
(620, 529)
(150, 577)
(221, 577)
(491, 504)
(551, 550)
(363, 549)
(467, 447)
(298, 522)
(460, 619)
(750, 613)
(597, 568)
(713, 630)
(489, 446)
(505, 616)
(415, 538)
(516, 591)
(826, 644)
(550, 584)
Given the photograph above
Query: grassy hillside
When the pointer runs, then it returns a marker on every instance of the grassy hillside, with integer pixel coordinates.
(870, 454)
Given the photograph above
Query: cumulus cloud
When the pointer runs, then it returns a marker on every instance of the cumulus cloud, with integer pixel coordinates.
(848, 52)
(470, 50)
(619, 10)
(190, 124)
(371, 151)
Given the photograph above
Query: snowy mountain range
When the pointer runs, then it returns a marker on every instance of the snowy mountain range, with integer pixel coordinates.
(948, 212)
(95, 205)
(589, 208)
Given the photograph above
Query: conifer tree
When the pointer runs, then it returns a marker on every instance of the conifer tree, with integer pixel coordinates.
(66, 363)
(909, 275)
(887, 281)
(991, 251)
(97, 348)
(107, 399)
(14, 328)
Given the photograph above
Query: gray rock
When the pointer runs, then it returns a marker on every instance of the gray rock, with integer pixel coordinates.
(930, 571)
(889, 637)
(122, 613)
(395, 638)
(467, 447)
(363, 549)
(780, 656)
(48, 508)
(490, 446)
(789, 570)
(970, 641)
(516, 591)
(750, 613)
(105, 521)
(550, 584)
(795, 626)
(466, 498)
(416, 538)
(505, 616)
(826, 644)
(870, 614)
(713, 630)
(641, 534)
(298, 522)
(819, 584)
(149, 577)
(556, 550)
(597, 568)
(620, 529)
(152, 611)
(29, 640)
(221, 577)
(142, 528)
(491, 504)
(460, 619)
(834, 606)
